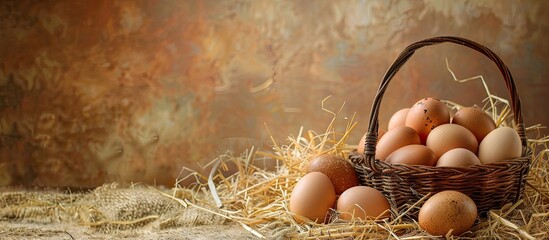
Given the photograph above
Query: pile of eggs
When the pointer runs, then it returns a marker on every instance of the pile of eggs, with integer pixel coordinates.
(332, 183)
(424, 134)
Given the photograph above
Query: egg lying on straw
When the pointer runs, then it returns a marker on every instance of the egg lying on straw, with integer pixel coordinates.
(312, 198)
(363, 203)
(448, 211)
(340, 171)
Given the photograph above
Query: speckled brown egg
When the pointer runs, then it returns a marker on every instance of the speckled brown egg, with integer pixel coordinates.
(447, 210)
(425, 115)
(363, 203)
(395, 139)
(449, 136)
(341, 172)
(475, 120)
(312, 198)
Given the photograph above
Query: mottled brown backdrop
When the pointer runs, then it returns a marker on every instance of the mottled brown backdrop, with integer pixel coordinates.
(100, 90)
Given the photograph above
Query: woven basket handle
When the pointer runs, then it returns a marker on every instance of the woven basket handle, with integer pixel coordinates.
(371, 136)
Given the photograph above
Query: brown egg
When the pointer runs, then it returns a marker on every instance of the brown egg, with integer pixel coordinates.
(475, 120)
(360, 146)
(427, 114)
(312, 198)
(364, 203)
(501, 144)
(398, 118)
(340, 171)
(458, 157)
(447, 210)
(413, 155)
(395, 139)
(449, 136)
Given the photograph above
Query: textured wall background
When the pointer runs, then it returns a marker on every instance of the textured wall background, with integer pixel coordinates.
(95, 91)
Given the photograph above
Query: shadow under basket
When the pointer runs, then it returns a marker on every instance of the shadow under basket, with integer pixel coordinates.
(489, 185)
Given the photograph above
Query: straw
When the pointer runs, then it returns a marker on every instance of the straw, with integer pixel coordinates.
(258, 199)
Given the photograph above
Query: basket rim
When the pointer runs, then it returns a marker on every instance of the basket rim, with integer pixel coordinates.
(385, 167)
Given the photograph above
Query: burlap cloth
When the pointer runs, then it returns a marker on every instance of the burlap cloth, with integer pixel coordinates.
(109, 212)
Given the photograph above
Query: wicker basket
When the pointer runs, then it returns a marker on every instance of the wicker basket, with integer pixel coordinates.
(489, 185)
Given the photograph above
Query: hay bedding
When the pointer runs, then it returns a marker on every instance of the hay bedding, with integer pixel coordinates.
(253, 203)
(258, 199)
